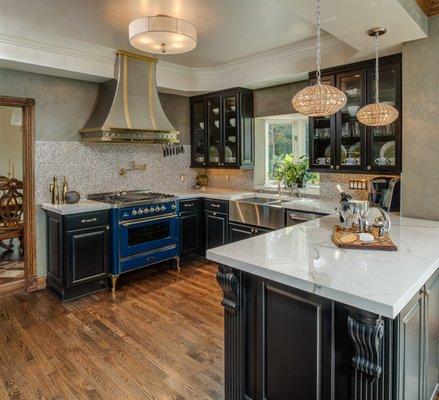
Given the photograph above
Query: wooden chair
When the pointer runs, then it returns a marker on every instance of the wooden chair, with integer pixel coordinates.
(11, 210)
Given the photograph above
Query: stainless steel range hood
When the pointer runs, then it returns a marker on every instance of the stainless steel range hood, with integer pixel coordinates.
(128, 108)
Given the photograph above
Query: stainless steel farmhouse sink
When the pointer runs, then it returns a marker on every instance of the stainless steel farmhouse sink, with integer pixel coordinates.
(258, 211)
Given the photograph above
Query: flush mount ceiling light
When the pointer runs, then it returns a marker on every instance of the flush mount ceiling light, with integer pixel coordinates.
(377, 114)
(162, 35)
(319, 100)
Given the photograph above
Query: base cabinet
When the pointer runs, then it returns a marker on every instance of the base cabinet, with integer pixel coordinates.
(282, 343)
(77, 254)
(418, 363)
(191, 226)
(216, 217)
(239, 232)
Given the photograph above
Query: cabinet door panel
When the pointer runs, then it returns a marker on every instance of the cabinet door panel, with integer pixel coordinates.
(87, 251)
(411, 343)
(350, 139)
(384, 142)
(432, 335)
(294, 363)
(189, 233)
(198, 131)
(54, 248)
(214, 136)
(216, 229)
(322, 136)
(230, 124)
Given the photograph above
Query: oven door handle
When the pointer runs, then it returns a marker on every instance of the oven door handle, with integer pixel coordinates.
(143, 220)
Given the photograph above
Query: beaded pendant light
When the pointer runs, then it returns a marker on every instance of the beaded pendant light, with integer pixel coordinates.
(319, 100)
(377, 114)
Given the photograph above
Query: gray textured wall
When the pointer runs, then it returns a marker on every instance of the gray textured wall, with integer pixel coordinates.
(177, 109)
(420, 179)
(276, 100)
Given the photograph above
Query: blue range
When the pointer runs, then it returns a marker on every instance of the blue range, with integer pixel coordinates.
(144, 230)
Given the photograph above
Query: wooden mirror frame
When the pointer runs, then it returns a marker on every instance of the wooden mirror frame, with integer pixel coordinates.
(28, 145)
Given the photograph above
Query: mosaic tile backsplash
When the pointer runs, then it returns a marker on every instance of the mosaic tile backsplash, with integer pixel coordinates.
(93, 167)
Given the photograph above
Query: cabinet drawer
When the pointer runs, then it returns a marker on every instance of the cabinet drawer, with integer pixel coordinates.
(216, 205)
(189, 205)
(150, 258)
(87, 220)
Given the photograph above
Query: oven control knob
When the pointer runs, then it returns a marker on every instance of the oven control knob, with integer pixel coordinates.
(151, 209)
(163, 208)
(134, 212)
(173, 206)
(145, 210)
(140, 211)
(157, 208)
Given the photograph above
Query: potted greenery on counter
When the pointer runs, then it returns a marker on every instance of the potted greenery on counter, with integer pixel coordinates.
(293, 172)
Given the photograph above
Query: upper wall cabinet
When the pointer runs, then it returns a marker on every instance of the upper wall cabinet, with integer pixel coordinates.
(340, 143)
(222, 134)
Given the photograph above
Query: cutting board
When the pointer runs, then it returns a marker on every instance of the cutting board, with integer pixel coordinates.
(383, 244)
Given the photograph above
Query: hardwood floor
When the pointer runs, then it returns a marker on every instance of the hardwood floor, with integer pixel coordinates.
(160, 336)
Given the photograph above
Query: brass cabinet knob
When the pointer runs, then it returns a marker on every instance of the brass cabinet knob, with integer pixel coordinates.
(369, 167)
(337, 167)
(332, 167)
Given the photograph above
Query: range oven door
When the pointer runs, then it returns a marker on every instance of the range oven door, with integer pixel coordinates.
(147, 234)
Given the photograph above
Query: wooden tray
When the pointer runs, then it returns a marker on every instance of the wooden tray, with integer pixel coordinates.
(385, 244)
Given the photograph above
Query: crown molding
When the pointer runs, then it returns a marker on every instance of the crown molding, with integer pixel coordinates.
(429, 7)
(52, 54)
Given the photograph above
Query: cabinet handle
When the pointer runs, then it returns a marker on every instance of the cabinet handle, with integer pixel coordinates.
(214, 214)
(188, 204)
(151, 258)
(337, 167)
(369, 167)
(331, 167)
(107, 228)
(215, 205)
(85, 221)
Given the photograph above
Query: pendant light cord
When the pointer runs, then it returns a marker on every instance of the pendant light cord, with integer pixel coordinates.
(377, 76)
(319, 57)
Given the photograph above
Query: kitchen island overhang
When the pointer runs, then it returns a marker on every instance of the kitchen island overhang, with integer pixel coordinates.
(353, 312)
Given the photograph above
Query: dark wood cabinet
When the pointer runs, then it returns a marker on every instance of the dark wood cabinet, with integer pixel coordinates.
(77, 253)
(222, 129)
(239, 232)
(340, 143)
(216, 217)
(191, 226)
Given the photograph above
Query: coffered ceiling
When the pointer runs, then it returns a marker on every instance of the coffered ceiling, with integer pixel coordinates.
(251, 43)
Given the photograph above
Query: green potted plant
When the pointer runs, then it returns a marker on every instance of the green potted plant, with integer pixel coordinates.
(294, 172)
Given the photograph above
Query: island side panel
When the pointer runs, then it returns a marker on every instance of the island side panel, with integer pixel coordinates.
(282, 342)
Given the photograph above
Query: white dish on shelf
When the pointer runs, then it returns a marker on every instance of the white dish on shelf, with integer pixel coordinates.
(353, 110)
(216, 123)
(388, 150)
(215, 110)
(232, 121)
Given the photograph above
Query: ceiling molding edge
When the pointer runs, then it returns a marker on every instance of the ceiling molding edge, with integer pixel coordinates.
(62, 56)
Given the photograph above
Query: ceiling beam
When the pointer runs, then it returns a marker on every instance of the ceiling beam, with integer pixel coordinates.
(429, 7)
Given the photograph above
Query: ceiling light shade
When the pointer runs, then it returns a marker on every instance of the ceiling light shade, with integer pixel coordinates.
(162, 34)
(319, 100)
(377, 114)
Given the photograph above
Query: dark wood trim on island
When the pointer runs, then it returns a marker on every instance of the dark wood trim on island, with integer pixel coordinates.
(283, 343)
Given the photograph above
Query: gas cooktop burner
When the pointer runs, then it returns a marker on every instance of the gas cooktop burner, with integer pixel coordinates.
(118, 199)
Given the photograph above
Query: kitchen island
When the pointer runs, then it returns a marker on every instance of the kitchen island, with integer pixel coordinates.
(305, 319)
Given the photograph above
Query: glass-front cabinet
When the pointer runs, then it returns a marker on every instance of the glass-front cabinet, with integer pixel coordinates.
(384, 142)
(322, 137)
(340, 142)
(222, 136)
(198, 131)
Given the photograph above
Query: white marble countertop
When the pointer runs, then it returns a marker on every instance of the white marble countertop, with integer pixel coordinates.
(82, 206)
(312, 205)
(303, 256)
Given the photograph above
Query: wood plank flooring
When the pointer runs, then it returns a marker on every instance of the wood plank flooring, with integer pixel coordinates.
(160, 336)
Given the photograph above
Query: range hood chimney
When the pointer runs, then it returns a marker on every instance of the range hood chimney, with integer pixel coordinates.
(128, 108)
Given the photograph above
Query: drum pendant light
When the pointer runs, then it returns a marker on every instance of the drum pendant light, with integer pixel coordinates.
(319, 100)
(377, 114)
